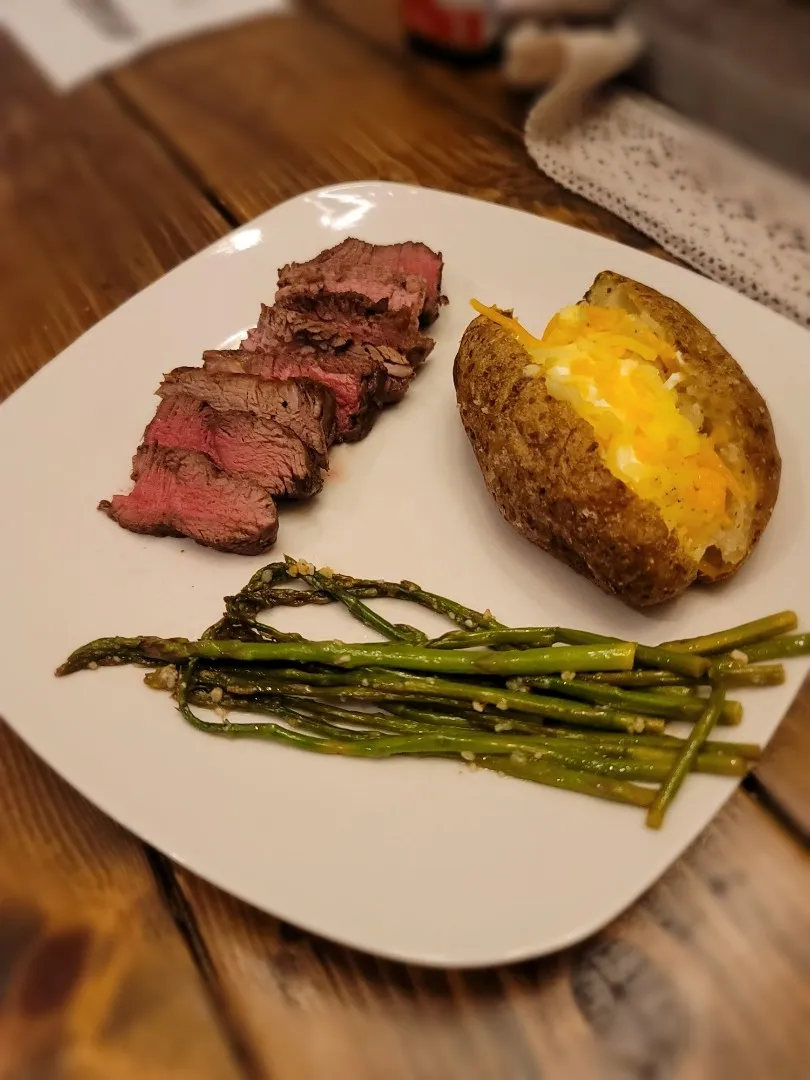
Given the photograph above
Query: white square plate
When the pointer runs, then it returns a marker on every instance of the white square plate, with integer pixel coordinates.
(417, 860)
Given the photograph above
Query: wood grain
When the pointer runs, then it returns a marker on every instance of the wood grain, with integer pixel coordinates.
(708, 977)
(784, 771)
(376, 21)
(91, 211)
(477, 90)
(95, 980)
(301, 102)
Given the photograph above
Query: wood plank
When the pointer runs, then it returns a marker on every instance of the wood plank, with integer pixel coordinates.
(257, 128)
(708, 976)
(377, 21)
(95, 979)
(784, 771)
(479, 90)
(91, 211)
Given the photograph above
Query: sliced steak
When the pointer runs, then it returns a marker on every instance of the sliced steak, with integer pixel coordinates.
(398, 372)
(182, 493)
(355, 375)
(239, 443)
(355, 260)
(365, 320)
(306, 408)
(273, 334)
(361, 294)
(332, 328)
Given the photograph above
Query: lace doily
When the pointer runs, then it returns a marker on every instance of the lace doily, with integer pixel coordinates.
(703, 199)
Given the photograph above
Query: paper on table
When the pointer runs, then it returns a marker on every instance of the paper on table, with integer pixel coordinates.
(66, 43)
(72, 40)
(162, 19)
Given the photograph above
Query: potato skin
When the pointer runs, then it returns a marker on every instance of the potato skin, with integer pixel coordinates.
(722, 388)
(542, 466)
(544, 470)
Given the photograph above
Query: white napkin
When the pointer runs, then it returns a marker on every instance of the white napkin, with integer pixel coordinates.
(72, 40)
(717, 207)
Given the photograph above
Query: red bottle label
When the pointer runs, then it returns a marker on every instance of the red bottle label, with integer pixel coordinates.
(454, 24)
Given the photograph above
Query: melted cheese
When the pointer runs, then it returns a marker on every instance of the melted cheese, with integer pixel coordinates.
(621, 378)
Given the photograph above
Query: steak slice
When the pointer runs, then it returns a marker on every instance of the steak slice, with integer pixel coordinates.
(332, 328)
(366, 320)
(272, 334)
(356, 376)
(240, 444)
(353, 260)
(182, 493)
(306, 408)
(398, 372)
(361, 294)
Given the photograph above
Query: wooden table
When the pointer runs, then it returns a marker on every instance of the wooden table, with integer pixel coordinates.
(115, 963)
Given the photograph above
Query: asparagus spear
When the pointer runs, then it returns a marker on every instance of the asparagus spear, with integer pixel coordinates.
(600, 787)
(446, 712)
(685, 760)
(751, 675)
(340, 654)
(738, 636)
(249, 679)
(639, 678)
(262, 590)
(427, 713)
(747, 751)
(776, 648)
(731, 675)
(463, 639)
(647, 656)
(634, 763)
(325, 582)
(647, 772)
(256, 673)
(660, 656)
(464, 616)
(440, 742)
(377, 686)
(649, 704)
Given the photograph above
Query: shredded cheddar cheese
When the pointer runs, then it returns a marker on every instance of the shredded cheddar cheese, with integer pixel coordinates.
(524, 337)
(620, 377)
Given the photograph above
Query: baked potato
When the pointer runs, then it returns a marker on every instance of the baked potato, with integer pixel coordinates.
(627, 441)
